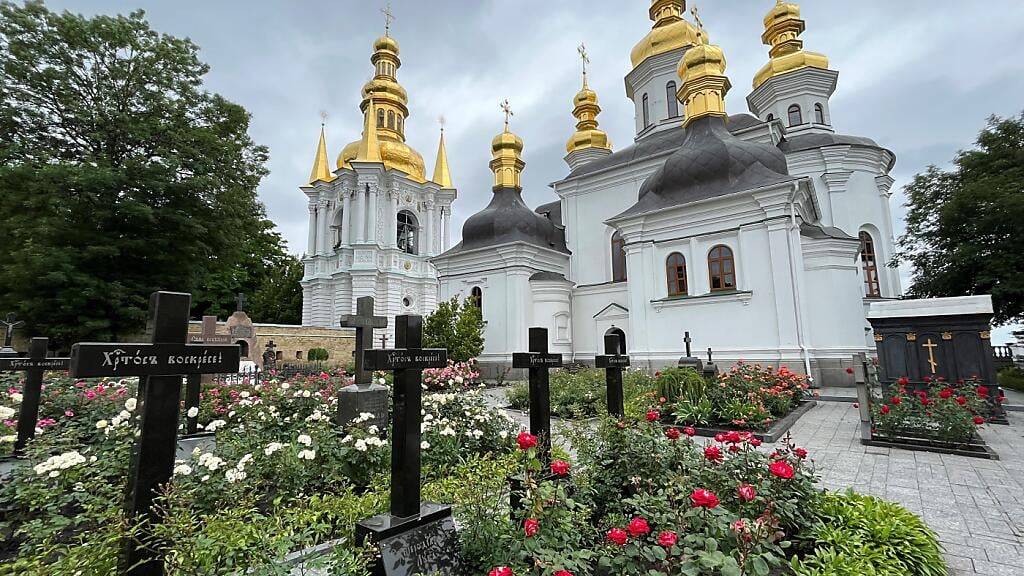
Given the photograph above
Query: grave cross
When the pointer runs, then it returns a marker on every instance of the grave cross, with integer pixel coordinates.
(613, 363)
(709, 356)
(364, 322)
(407, 361)
(539, 361)
(687, 341)
(10, 322)
(160, 365)
(33, 366)
(240, 300)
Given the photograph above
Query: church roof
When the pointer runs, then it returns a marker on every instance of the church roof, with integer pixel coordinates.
(508, 219)
(710, 163)
(552, 211)
(820, 232)
(809, 141)
(540, 276)
(654, 144)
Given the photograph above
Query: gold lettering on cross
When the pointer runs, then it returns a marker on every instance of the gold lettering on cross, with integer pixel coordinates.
(931, 346)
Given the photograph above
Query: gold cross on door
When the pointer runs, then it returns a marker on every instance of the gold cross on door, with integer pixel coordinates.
(931, 346)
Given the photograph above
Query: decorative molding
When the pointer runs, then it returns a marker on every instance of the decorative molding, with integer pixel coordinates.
(741, 296)
(911, 336)
(985, 335)
(879, 338)
(884, 183)
(947, 335)
(837, 181)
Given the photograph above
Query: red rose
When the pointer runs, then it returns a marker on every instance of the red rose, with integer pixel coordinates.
(672, 433)
(927, 379)
(746, 492)
(617, 536)
(713, 453)
(885, 409)
(526, 440)
(983, 391)
(690, 431)
(961, 400)
(560, 467)
(738, 526)
(979, 420)
(733, 437)
(734, 448)
(781, 469)
(896, 400)
(653, 416)
(531, 526)
(946, 393)
(719, 437)
(849, 370)
(702, 498)
(667, 539)
(755, 442)
(903, 381)
(501, 571)
(800, 453)
(563, 573)
(638, 527)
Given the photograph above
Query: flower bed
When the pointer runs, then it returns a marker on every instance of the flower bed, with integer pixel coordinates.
(934, 415)
(583, 394)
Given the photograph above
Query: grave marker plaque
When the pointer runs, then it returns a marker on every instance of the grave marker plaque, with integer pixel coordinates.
(414, 538)
(160, 365)
(540, 362)
(33, 366)
(613, 363)
(365, 396)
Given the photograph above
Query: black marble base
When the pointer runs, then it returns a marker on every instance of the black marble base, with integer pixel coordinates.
(426, 544)
(354, 400)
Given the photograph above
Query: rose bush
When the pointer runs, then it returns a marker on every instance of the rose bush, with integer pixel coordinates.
(934, 409)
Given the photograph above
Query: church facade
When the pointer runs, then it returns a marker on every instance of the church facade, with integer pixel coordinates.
(375, 219)
(766, 235)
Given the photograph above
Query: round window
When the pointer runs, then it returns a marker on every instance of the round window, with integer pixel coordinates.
(407, 302)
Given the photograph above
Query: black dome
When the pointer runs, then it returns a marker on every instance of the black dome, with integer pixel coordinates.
(508, 219)
(712, 162)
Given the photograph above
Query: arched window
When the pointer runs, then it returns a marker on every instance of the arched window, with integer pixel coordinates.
(399, 122)
(339, 218)
(870, 264)
(476, 295)
(407, 229)
(647, 112)
(391, 119)
(819, 114)
(673, 100)
(721, 269)
(675, 271)
(618, 258)
(795, 117)
(770, 118)
(380, 117)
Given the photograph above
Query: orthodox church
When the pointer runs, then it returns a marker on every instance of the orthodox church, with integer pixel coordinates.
(765, 235)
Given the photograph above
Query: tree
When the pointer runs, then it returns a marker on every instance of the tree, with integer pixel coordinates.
(457, 327)
(963, 232)
(278, 300)
(119, 176)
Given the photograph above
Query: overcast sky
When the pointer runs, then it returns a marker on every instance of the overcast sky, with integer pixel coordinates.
(918, 76)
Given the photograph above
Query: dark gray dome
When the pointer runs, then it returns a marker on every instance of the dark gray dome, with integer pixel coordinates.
(712, 162)
(508, 219)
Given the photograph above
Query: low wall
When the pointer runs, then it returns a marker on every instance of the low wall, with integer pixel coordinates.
(293, 342)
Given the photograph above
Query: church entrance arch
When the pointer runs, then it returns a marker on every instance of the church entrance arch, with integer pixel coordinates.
(622, 338)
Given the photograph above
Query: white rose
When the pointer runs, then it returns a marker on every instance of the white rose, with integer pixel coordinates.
(424, 445)
(305, 440)
(182, 470)
(193, 412)
(130, 404)
(6, 412)
(101, 424)
(361, 445)
(16, 398)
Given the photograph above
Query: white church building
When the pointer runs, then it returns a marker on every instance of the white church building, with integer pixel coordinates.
(765, 235)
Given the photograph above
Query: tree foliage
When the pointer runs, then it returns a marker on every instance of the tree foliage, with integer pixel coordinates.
(458, 327)
(963, 232)
(278, 298)
(120, 175)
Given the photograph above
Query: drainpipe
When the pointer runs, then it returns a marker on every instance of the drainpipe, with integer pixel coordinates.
(800, 329)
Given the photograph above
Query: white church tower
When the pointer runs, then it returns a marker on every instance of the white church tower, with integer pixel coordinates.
(375, 220)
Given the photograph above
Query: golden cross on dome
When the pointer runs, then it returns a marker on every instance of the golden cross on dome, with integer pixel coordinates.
(389, 17)
(507, 109)
(442, 121)
(696, 17)
(583, 56)
(323, 117)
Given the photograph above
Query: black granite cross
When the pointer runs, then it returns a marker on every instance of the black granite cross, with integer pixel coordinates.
(33, 366)
(364, 322)
(709, 356)
(613, 363)
(407, 361)
(539, 361)
(160, 366)
(687, 341)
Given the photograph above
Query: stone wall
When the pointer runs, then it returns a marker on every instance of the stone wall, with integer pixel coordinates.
(293, 342)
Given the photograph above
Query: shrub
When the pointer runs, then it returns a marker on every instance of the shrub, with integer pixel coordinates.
(584, 394)
(459, 328)
(317, 355)
(937, 410)
(861, 534)
(1012, 378)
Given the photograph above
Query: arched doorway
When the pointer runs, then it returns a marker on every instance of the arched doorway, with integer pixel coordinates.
(243, 348)
(622, 338)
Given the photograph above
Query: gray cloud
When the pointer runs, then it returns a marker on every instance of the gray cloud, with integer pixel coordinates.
(918, 76)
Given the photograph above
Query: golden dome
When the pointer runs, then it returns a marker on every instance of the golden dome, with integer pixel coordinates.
(385, 43)
(506, 161)
(670, 31)
(705, 84)
(782, 30)
(585, 96)
(396, 155)
(586, 110)
(506, 141)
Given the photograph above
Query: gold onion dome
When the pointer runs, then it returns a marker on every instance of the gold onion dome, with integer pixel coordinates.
(705, 84)
(387, 114)
(782, 29)
(586, 110)
(670, 31)
(506, 159)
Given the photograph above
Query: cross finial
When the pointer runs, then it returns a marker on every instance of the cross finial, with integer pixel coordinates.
(442, 121)
(241, 301)
(323, 117)
(389, 17)
(507, 109)
(699, 22)
(582, 49)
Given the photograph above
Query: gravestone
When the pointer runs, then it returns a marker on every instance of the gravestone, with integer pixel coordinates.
(539, 362)
(160, 366)
(414, 537)
(194, 382)
(710, 369)
(365, 396)
(33, 366)
(613, 363)
(689, 361)
(10, 323)
(270, 356)
(241, 331)
(929, 338)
